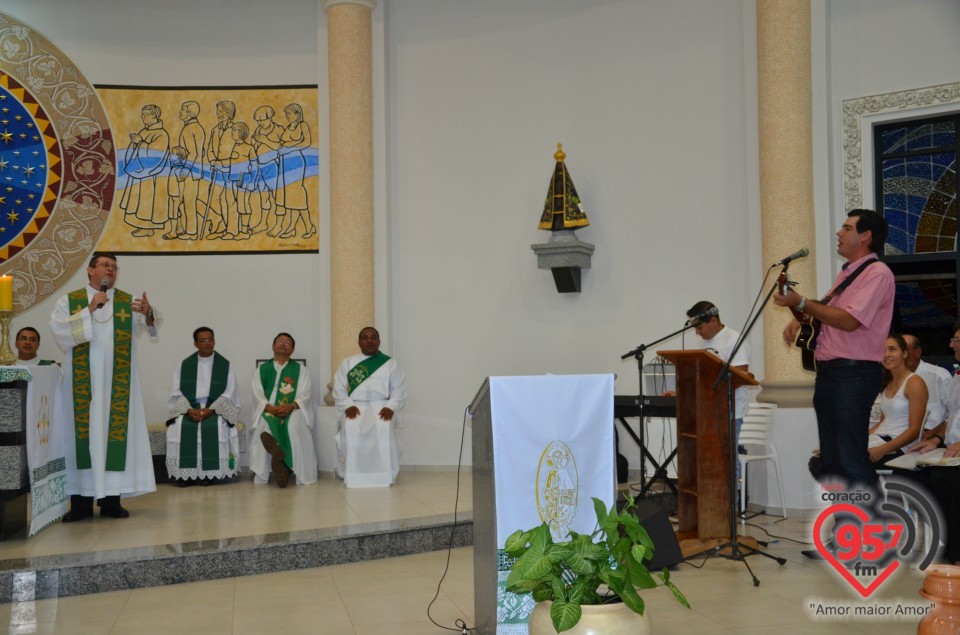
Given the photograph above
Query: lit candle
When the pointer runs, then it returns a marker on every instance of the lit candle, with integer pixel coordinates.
(6, 293)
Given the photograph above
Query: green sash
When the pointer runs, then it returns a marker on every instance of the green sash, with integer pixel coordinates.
(286, 393)
(209, 428)
(120, 387)
(359, 373)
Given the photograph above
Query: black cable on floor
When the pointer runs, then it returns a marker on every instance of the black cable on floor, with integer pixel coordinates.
(461, 626)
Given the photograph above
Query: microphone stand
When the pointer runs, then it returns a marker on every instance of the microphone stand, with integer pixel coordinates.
(660, 471)
(738, 550)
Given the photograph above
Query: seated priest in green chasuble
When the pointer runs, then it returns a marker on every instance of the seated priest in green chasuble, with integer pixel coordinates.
(281, 442)
(202, 442)
(97, 327)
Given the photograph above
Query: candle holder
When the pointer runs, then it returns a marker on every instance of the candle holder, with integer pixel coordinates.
(7, 358)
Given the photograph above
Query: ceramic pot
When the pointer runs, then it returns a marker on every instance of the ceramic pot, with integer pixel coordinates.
(942, 587)
(600, 619)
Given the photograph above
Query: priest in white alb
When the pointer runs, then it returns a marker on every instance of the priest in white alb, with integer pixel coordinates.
(109, 454)
(369, 390)
(202, 441)
(281, 441)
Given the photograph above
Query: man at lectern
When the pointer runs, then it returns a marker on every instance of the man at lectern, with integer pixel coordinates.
(719, 339)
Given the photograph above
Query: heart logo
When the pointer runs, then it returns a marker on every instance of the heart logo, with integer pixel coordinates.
(854, 538)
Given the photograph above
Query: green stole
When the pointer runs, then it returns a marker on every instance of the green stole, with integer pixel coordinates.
(45, 362)
(286, 393)
(120, 388)
(359, 373)
(209, 428)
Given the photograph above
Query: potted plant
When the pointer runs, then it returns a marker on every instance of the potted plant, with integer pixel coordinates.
(601, 568)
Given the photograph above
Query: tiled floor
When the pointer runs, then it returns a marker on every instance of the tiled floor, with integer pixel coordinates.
(174, 515)
(392, 595)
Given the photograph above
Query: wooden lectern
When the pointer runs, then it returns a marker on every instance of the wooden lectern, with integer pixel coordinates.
(703, 444)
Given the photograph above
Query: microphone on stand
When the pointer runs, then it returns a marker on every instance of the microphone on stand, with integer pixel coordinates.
(803, 252)
(104, 285)
(709, 313)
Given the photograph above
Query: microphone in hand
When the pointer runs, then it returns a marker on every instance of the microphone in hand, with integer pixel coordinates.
(104, 285)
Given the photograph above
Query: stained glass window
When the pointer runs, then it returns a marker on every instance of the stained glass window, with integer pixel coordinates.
(915, 168)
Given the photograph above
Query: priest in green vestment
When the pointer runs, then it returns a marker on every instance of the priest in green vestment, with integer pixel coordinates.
(202, 442)
(282, 442)
(97, 326)
(370, 391)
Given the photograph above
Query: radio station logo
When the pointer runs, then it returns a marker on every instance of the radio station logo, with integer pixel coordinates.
(866, 540)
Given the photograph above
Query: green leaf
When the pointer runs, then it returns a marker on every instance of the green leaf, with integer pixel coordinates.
(517, 583)
(600, 509)
(559, 592)
(540, 537)
(681, 598)
(640, 577)
(536, 564)
(581, 558)
(633, 601)
(565, 615)
(639, 553)
(516, 543)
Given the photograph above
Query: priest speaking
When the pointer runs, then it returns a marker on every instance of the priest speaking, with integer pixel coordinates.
(97, 326)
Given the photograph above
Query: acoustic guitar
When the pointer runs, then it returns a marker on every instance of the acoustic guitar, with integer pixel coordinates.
(809, 327)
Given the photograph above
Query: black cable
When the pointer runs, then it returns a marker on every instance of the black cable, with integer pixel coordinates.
(461, 625)
(761, 528)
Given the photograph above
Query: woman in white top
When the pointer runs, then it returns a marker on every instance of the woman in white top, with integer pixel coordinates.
(903, 403)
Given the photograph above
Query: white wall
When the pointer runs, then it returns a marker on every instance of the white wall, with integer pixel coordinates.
(649, 100)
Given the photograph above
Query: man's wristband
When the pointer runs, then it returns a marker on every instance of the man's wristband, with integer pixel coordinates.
(802, 305)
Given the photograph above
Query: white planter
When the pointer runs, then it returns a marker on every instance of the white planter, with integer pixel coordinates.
(601, 619)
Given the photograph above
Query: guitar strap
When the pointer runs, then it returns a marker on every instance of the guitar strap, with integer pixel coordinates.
(846, 283)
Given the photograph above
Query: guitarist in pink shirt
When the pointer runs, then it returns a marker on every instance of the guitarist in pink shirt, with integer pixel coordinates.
(854, 320)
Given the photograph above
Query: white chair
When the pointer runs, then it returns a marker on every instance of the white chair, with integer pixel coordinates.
(756, 438)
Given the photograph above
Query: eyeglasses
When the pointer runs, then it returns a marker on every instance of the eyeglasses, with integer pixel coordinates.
(205, 340)
(955, 340)
(109, 266)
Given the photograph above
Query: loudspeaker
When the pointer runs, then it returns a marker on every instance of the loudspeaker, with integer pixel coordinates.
(666, 549)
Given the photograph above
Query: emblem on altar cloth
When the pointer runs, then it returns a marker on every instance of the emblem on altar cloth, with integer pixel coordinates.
(558, 487)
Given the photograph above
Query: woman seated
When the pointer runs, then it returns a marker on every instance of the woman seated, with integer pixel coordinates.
(903, 404)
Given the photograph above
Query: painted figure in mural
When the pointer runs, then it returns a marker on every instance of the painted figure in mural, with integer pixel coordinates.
(266, 142)
(176, 181)
(291, 190)
(144, 159)
(193, 139)
(219, 152)
(241, 183)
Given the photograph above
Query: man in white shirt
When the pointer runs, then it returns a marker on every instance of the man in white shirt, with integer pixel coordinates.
(714, 336)
(944, 482)
(937, 379)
